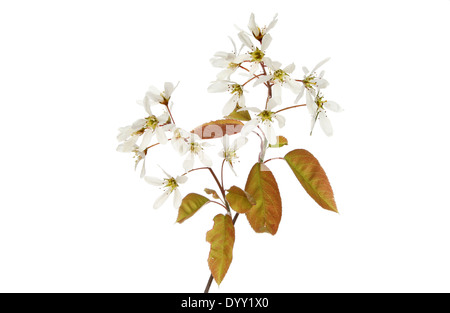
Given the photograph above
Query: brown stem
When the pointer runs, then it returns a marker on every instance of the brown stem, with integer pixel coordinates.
(222, 190)
(292, 107)
(244, 68)
(254, 76)
(269, 86)
(273, 159)
(217, 203)
(170, 113)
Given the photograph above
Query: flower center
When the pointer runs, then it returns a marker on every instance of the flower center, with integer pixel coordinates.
(266, 115)
(308, 81)
(170, 183)
(320, 101)
(152, 122)
(257, 55)
(195, 147)
(280, 75)
(229, 155)
(236, 88)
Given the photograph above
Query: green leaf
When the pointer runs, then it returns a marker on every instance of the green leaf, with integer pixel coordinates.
(218, 129)
(281, 141)
(221, 237)
(241, 116)
(312, 177)
(265, 215)
(239, 200)
(212, 192)
(190, 205)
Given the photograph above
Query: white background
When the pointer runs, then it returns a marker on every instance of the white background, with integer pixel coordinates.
(75, 217)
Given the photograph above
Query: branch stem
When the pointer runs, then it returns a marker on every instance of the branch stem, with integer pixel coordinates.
(273, 159)
(292, 107)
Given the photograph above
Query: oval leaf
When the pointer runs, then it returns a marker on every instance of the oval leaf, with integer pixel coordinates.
(221, 238)
(190, 205)
(239, 200)
(265, 215)
(218, 129)
(312, 177)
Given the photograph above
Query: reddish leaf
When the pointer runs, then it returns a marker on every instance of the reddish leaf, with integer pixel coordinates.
(212, 192)
(239, 200)
(265, 215)
(217, 129)
(312, 177)
(221, 238)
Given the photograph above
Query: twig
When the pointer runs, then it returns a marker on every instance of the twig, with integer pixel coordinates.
(292, 107)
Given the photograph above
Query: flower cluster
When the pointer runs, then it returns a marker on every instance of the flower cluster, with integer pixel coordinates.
(251, 61)
(274, 76)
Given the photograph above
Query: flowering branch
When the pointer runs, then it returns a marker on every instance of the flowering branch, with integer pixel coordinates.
(260, 199)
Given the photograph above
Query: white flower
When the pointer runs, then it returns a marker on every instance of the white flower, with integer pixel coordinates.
(170, 185)
(311, 80)
(151, 125)
(144, 128)
(162, 97)
(235, 89)
(128, 137)
(258, 32)
(266, 119)
(278, 78)
(195, 149)
(257, 55)
(229, 61)
(316, 108)
(179, 140)
(229, 151)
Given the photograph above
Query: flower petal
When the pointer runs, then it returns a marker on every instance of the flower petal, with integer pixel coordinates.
(272, 103)
(281, 120)
(176, 198)
(325, 124)
(229, 106)
(161, 135)
(265, 43)
(249, 126)
(218, 86)
(168, 89)
(300, 95)
(270, 133)
(245, 40)
(155, 181)
(204, 158)
(310, 104)
(181, 179)
(146, 138)
(188, 163)
(290, 68)
(320, 64)
(239, 142)
(143, 172)
(161, 199)
(333, 106)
